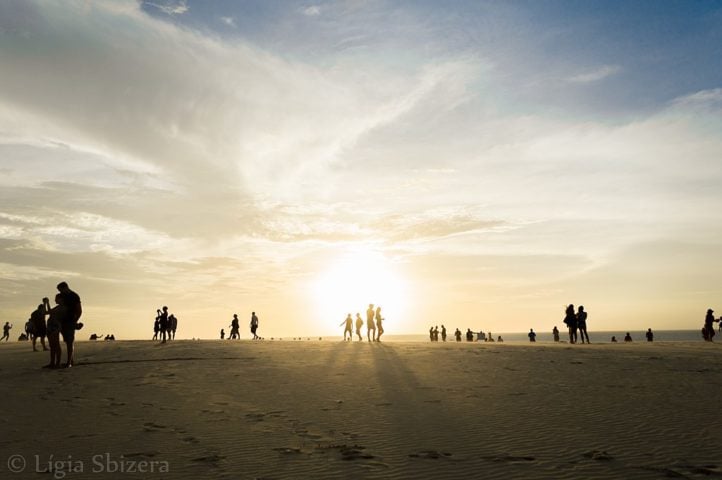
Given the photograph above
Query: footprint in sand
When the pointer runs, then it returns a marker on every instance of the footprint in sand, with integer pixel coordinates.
(430, 454)
(599, 455)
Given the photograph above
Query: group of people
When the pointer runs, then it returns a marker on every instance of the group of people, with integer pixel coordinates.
(374, 325)
(235, 328)
(480, 335)
(62, 319)
(165, 325)
(576, 323)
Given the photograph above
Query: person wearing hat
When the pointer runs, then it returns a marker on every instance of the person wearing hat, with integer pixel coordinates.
(708, 331)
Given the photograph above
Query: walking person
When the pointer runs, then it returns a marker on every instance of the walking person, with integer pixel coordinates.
(235, 334)
(70, 322)
(156, 325)
(582, 324)
(254, 325)
(6, 331)
(359, 326)
(370, 323)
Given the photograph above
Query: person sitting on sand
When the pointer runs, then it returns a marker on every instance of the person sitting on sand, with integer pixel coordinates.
(582, 323)
(614, 339)
(6, 331)
(55, 323)
(500, 340)
(627, 337)
(359, 326)
(349, 328)
(370, 323)
(649, 335)
(457, 335)
(379, 324)
(555, 333)
(532, 335)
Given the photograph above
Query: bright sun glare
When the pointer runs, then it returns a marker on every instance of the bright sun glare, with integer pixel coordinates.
(354, 281)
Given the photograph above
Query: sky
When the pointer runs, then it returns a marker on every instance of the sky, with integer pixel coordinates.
(477, 164)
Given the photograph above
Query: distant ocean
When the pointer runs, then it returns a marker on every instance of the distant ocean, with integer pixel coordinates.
(594, 337)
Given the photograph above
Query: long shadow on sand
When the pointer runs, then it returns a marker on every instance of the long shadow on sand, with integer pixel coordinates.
(154, 360)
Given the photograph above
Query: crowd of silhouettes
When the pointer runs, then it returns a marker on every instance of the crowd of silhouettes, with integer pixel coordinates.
(374, 325)
(165, 325)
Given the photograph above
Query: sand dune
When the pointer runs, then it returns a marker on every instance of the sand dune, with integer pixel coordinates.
(216, 409)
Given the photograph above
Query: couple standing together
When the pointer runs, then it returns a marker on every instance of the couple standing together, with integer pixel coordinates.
(63, 320)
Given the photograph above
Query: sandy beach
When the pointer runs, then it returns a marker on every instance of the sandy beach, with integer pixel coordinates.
(212, 409)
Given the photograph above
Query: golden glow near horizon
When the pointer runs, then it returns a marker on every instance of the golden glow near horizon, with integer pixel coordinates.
(354, 280)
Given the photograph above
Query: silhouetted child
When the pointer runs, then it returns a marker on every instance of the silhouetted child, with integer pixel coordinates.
(223, 334)
(532, 335)
(348, 322)
(53, 329)
(156, 325)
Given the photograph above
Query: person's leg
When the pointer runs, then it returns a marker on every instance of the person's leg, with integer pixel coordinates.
(71, 351)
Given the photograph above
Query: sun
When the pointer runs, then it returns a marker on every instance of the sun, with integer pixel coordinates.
(355, 280)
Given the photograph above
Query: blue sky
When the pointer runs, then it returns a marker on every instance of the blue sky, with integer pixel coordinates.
(486, 161)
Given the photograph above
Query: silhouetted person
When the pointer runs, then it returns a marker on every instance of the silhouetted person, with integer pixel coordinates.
(379, 324)
(359, 326)
(555, 333)
(223, 334)
(156, 325)
(443, 333)
(532, 335)
(649, 335)
(172, 326)
(708, 330)
(235, 333)
(570, 319)
(469, 335)
(500, 340)
(348, 322)
(163, 323)
(370, 323)
(457, 335)
(54, 326)
(6, 331)
(254, 325)
(431, 334)
(489, 337)
(436, 333)
(70, 323)
(481, 337)
(29, 329)
(582, 324)
(614, 339)
(627, 337)
(40, 330)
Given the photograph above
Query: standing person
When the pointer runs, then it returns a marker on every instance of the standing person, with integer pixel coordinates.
(74, 310)
(431, 334)
(6, 331)
(443, 333)
(156, 325)
(649, 335)
(532, 335)
(348, 322)
(370, 323)
(254, 325)
(163, 324)
(457, 335)
(570, 319)
(582, 323)
(708, 331)
(37, 318)
(555, 332)
(235, 333)
(379, 324)
(359, 325)
(54, 326)
(172, 326)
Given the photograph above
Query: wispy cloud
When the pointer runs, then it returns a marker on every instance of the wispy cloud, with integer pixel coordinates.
(596, 74)
(312, 10)
(170, 7)
(230, 21)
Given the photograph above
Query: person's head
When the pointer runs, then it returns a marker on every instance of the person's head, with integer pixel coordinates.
(581, 308)
(165, 309)
(709, 310)
(235, 315)
(253, 313)
(63, 287)
(58, 299)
